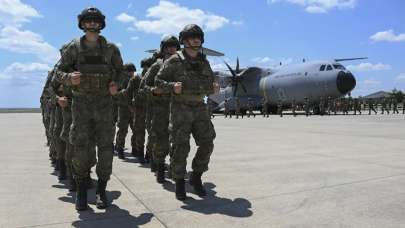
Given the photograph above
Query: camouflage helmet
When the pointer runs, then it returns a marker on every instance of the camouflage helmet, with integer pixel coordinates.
(130, 67)
(91, 13)
(190, 31)
(168, 41)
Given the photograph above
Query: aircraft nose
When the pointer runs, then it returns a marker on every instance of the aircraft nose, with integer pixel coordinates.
(345, 82)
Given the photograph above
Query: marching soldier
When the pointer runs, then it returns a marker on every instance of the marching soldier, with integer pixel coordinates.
(92, 66)
(187, 75)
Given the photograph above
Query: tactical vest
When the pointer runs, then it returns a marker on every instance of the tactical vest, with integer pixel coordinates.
(195, 78)
(96, 68)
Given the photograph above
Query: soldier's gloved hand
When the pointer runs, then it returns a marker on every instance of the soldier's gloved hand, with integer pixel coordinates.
(157, 91)
(62, 101)
(177, 88)
(113, 87)
(216, 87)
(75, 77)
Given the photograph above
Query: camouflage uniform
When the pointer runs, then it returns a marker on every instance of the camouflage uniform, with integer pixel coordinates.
(265, 108)
(294, 107)
(237, 108)
(159, 110)
(45, 107)
(306, 106)
(394, 106)
(226, 109)
(280, 108)
(188, 113)
(125, 118)
(250, 108)
(371, 106)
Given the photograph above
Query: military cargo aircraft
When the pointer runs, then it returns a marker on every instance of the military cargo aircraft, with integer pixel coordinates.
(312, 79)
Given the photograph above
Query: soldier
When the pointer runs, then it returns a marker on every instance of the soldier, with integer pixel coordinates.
(403, 105)
(92, 66)
(384, 106)
(143, 115)
(45, 108)
(321, 106)
(237, 108)
(125, 117)
(226, 108)
(306, 106)
(294, 107)
(370, 103)
(250, 108)
(330, 105)
(345, 106)
(280, 107)
(394, 106)
(189, 77)
(265, 108)
(160, 109)
(57, 98)
(356, 106)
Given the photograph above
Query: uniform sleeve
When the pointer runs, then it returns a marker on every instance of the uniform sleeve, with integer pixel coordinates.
(65, 65)
(118, 66)
(211, 77)
(150, 77)
(165, 78)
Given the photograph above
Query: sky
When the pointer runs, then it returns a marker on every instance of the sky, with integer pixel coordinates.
(261, 33)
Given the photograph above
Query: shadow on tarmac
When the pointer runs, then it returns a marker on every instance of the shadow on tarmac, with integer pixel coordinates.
(113, 216)
(212, 204)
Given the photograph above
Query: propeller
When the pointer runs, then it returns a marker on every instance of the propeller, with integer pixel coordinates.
(236, 77)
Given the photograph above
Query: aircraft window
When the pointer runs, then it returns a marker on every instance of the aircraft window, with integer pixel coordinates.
(339, 67)
(322, 68)
(329, 67)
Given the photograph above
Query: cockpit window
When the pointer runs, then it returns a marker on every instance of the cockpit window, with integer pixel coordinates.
(322, 68)
(339, 67)
(329, 67)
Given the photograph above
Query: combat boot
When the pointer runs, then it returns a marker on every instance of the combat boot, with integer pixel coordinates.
(195, 181)
(120, 152)
(101, 196)
(160, 173)
(180, 189)
(62, 169)
(81, 195)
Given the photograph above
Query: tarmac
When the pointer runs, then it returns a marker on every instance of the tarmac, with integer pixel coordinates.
(330, 171)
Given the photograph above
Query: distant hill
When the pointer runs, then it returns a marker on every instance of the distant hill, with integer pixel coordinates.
(20, 110)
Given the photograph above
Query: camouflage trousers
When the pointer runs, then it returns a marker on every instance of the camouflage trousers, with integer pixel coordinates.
(186, 120)
(125, 119)
(60, 145)
(138, 138)
(92, 119)
(52, 147)
(159, 132)
(148, 119)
